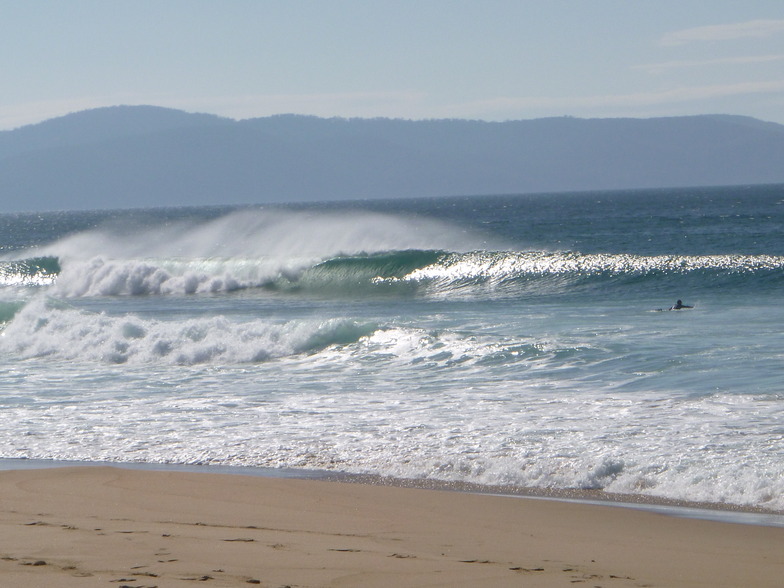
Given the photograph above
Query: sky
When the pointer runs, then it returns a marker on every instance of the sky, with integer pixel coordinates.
(491, 60)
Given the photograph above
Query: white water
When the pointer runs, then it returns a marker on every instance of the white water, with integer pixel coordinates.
(568, 404)
(155, 345)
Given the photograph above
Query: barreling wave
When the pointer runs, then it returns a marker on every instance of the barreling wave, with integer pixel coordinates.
(416, 272)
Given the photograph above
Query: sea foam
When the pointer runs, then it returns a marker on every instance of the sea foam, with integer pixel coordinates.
(45, 329)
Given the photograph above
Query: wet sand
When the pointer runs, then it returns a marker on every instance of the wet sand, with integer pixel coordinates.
(103, 526)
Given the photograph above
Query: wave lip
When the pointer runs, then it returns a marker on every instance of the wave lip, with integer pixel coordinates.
(488, 265)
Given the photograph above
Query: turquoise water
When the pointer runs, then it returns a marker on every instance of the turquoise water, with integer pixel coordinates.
(520, 340)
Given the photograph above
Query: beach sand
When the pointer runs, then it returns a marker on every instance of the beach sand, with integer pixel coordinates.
(102, 526)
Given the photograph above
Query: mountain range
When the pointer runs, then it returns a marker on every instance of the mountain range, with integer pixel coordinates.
(140, 156)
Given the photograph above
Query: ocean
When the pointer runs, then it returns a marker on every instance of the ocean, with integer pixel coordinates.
(518, 341)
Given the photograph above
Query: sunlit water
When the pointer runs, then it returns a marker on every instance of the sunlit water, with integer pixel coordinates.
(498, 340)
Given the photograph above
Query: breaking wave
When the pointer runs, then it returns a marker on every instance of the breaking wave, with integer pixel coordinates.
(48, 329)
(349, 254)
(44, 329)
(424, 272)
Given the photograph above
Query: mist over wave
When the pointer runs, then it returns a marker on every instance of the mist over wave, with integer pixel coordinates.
(351, 253)
(268, 234)
(243, 249)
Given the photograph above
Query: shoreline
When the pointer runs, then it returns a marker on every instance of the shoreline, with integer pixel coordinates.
(95, 526)
(709, 511)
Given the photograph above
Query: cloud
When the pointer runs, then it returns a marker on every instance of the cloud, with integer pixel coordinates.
(614, 101)
(739, 30)
(691, 93)
(659, 67)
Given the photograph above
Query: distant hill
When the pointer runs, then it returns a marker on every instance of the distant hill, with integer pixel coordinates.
(138, 156)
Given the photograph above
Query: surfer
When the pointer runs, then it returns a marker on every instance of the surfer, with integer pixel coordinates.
(679, 305)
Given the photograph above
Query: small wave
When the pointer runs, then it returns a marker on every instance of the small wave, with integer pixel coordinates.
(440, 349)
(50, 329)
(45, 330)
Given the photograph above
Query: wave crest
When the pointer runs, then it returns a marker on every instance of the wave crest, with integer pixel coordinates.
(546, 272)
(424, 272)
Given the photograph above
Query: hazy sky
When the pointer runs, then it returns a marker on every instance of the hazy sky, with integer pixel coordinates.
(483, 59)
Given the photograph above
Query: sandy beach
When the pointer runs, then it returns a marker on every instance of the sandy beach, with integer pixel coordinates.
(102, 526)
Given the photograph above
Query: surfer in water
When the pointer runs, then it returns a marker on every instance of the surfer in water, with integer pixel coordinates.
(679, 305)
